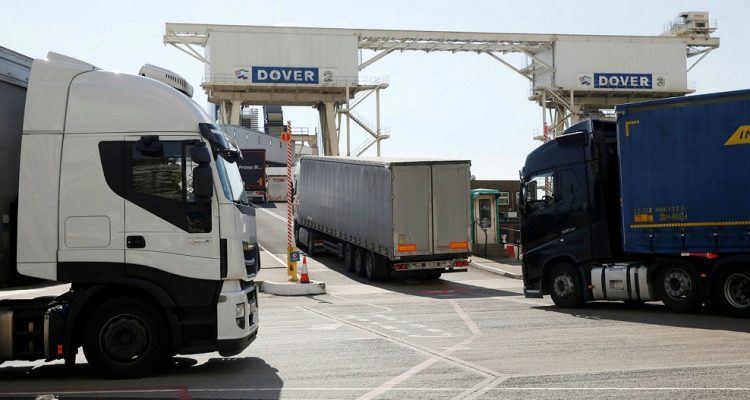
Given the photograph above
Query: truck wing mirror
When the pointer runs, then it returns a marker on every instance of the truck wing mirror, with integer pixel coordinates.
(150, 146)
(199, 153)
(203, 183)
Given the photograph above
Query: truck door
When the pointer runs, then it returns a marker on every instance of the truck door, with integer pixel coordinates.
(91, 204)
(412, 210)
(571, 210)
(165, 227)
(539, 222)
(450, 208)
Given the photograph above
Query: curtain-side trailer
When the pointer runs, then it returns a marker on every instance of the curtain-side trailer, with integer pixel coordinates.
(384, 215)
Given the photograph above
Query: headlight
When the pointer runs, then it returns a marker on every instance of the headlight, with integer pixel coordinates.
(239, 311)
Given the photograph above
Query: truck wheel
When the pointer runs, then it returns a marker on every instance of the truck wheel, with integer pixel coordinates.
(375, 267)
(565, 286)
(677, 287)
(359, 262)
(126, 338)
(732, 290)
(349, 257)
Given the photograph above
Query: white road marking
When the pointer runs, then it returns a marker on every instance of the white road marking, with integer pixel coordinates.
(359, 301)
(520, 301)
(480, 389)
(356, 389)
(385, 387)
(330, 327)
(272, 256)
(433, 330)
(465, 317)
(277, 216)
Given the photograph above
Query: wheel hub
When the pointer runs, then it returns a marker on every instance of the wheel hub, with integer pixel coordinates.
(563, 285)
(737, 291)
(125, 338)
(677, 284)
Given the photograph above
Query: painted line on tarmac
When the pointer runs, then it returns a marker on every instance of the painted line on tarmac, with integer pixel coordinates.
(520, 301)
(467, 365)
(273, 214)
(465, 317)
(359, 302)
(480, 389)
(185, 393)
(476, 332)
(272, 255)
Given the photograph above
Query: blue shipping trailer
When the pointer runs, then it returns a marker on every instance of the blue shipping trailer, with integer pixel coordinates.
(685, 170)
(649, 207)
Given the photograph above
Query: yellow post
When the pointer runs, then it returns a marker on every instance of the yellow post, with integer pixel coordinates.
(291, 265)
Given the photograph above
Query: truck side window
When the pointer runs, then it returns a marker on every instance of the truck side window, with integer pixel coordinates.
(540, 191)
(159, 176)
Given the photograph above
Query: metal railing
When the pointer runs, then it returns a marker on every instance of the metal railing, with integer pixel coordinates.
(245, 78)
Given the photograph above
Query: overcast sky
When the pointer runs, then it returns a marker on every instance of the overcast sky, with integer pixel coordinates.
(463, 106)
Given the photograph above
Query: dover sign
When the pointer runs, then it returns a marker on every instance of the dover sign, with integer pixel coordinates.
(603, 80)
(287, 75)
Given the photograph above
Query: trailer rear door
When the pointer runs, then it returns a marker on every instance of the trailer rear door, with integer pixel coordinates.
(412, 210)
(450, 208)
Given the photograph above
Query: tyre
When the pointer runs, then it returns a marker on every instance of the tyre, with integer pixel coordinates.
(566, 286)
(126, 338)
(677, 286)
(349, 257)
(375, 266)
(731, 293)
(359, 262)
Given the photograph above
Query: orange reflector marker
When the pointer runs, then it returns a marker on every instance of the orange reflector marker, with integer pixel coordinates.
(590, 286)
(59, 350)
(704, 275)
(402, 248)
(459, 245)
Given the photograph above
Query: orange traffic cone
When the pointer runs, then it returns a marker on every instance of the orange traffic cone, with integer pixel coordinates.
(303, 276)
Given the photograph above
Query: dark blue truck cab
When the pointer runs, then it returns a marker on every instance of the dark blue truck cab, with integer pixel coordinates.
(650, 207)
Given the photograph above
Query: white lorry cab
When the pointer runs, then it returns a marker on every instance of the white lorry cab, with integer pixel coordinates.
(129, 192)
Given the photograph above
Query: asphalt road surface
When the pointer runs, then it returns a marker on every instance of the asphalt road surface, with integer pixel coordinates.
(470, 335)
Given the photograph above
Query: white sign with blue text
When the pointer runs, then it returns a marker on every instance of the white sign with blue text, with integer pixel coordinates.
(287, 75)
(607, 80)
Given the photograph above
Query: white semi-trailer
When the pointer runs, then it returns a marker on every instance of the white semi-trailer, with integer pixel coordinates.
(385, 216)
(127, 191)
